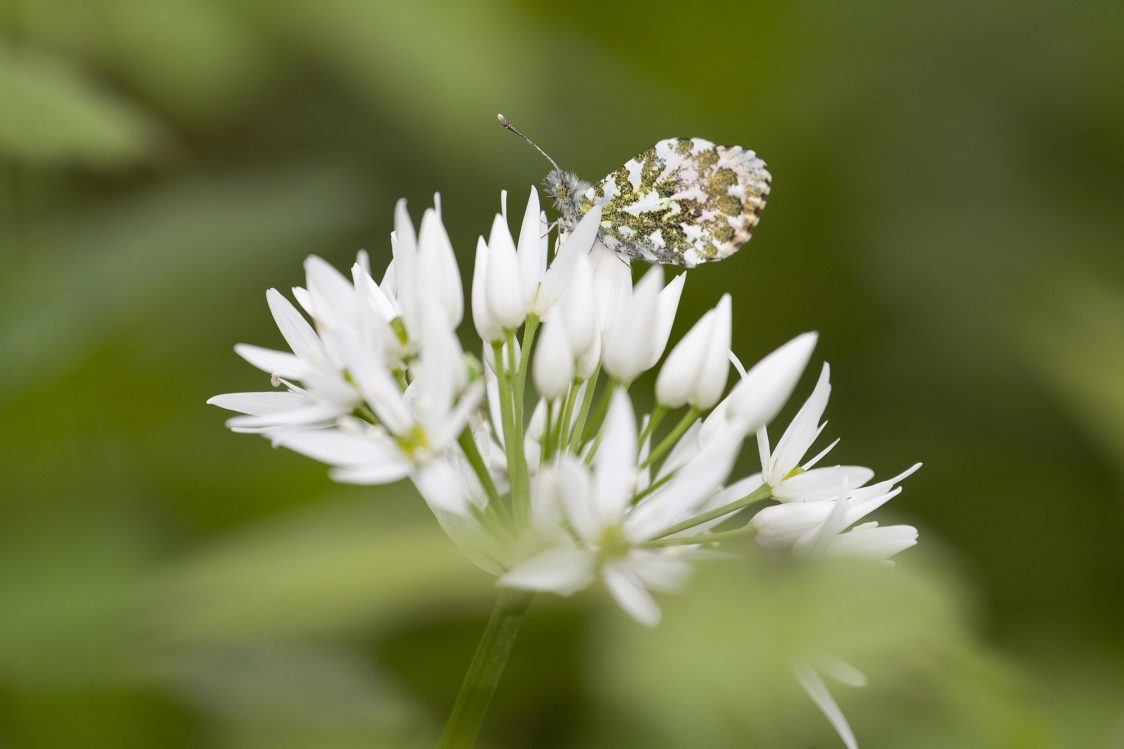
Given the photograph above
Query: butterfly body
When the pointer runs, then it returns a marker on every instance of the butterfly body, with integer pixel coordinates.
(684, 201)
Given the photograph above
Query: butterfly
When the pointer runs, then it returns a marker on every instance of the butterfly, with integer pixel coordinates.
(684, 201)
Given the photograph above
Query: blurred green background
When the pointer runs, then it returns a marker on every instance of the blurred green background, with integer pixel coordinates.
(946, 212)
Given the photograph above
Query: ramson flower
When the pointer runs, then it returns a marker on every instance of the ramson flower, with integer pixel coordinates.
(532, 457)
(610, 529)
(696, 369)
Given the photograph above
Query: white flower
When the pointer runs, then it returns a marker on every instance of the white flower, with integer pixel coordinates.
(760, 393)
(639, 329)
(609, 531)
(764, 389)
(578, 308)
(532, 248)
(554, 361)
(437, 278)
(506, 298)
(696, 369)
(487, 327)
(798, 524)
(377, 386)
(781, 468)
(323, 393)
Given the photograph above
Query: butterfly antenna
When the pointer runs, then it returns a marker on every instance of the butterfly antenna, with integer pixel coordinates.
(508, 126)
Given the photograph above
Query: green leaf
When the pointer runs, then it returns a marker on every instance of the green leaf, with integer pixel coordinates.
(51, 113)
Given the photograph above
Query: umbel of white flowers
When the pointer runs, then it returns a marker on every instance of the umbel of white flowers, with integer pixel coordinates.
(559, 487)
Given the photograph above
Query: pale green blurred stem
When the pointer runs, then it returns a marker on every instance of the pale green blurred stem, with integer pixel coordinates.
(602, 409)
(598, 415)
(653, 422)
(548, 433)
(587, 400)
(758, 495)
(567, 413)
(472, 452)
(524, 358)
(484, 672)
(512, 434)
(701, 538)
(668, 441)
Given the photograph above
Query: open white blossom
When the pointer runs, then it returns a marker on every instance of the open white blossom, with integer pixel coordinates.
(532, 456)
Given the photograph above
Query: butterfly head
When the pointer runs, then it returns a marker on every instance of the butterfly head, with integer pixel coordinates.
(567, 190)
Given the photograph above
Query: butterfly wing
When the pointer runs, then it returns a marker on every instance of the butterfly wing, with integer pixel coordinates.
(684, 201)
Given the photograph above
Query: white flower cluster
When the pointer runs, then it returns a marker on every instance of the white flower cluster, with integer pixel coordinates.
(378, 386)
(554, 490)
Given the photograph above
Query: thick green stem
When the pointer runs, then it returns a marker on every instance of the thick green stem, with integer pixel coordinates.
(485, 670)
(758, 495)
(670, 440)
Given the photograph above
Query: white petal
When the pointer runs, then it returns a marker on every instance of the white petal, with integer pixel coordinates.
(259, 404)
(658, 571)
(801, 433)
(331, 293)
(441, 487)
(676, 380)
(300, 336)
(631, 335)
(486, 327)
(531, 252)
(553, 365)
(440, 368)
(378, 388)
(278, 363)
(298, 417)
(443, 434)
(569, 486)
(505, 298)
(632, 596)
(779, 526)
(579, 307)
(373, 473)
(714, 368)
(667, 306)
(869, 493)
(437, 275)
(822, 483)
(561, 570)
(612, 283)
(695, 482)
(580, 240)
(338, 448)
(615, 462)
(841, 671)
(873, 541)
(763, 391)
(817, 690)
(404, 244)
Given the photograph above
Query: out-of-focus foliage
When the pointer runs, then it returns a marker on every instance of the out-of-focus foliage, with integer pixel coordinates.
(945, 213)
